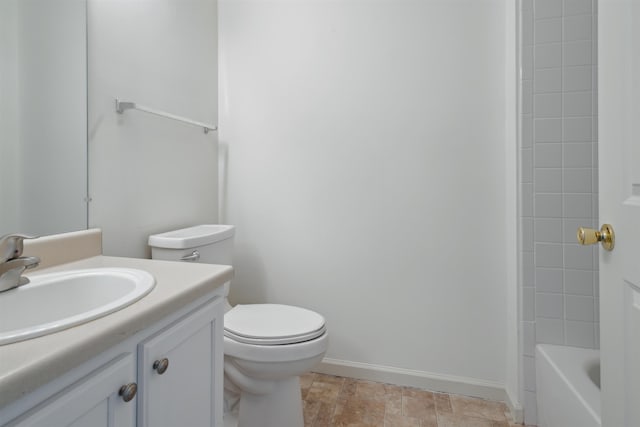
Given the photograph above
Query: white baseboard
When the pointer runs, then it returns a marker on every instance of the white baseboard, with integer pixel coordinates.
(425, 380)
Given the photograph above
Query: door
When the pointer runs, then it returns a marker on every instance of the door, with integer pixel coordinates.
(180, 372)
(619, 163)
(92, 402)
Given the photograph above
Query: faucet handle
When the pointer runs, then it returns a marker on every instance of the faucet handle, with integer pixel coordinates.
(11, 246)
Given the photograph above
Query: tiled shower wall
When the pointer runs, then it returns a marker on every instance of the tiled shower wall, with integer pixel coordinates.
(559, 178)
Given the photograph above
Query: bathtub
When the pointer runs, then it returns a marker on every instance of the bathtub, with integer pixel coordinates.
(568, 386)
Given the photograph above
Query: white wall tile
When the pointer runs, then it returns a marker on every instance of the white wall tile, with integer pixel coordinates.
(548, 80)
(548, 155)
(548, 230)
(577, 155)
(529, 368)
(548, 30)
(576, 104)
(577, 205)
(527, 131)
(576, 7)
(528, 201)
(547, 105)
(578, 27)
(527, 62)
(578, 78)
(561, 133)
(548, 255)
(549, 331)
(547, 9)
(548, 205)
(578, 282)
(530, 408)
(579, 308)
(528, 269)
(577, 257)
(548, 130)
(574, 53)
(549, 305)
(527, 96)
(527, 234)
(549, 180)
(529, 338)
(529, 303)
(577, 129)
(527, 165)
(550, 55)
(527, 28)
(580, 334)
(549, 280)
(576, 180)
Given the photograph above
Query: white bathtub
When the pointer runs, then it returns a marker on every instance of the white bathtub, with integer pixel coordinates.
(567, 386)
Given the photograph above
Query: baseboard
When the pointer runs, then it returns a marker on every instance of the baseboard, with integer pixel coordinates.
(421, 379)
(515, 408)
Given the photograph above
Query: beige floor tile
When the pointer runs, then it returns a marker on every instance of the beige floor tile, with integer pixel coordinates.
(418, 404)
(391, 420)
(456, 420)
(331, 401)
(443, 404)
(324, 389)
(356, 412)
(325, 415)
(473, 407)
(310, 412)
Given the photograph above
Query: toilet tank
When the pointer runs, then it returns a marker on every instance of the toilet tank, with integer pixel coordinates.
(207, 243)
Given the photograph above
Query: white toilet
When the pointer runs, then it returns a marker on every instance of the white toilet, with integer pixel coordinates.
(266, 346)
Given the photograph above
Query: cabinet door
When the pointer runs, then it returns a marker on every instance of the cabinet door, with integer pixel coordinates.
(92, 402)
(189, 391)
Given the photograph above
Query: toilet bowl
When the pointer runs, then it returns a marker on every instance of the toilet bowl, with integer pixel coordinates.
(266, 346)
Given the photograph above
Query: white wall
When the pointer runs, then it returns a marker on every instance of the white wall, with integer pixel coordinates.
(149, 174)
(366, 174)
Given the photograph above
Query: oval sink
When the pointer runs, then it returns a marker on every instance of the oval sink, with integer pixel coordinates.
(56, 301)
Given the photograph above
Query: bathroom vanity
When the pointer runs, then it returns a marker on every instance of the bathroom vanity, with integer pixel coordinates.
(157, 362)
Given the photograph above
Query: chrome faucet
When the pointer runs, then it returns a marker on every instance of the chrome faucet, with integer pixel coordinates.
(12, 263)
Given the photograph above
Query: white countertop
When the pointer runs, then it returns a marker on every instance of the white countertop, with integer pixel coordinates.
(26, 365)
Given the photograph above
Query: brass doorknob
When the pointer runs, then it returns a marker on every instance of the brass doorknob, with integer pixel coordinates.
(606, 236)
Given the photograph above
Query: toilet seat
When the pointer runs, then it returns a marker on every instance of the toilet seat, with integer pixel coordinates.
(272, 324)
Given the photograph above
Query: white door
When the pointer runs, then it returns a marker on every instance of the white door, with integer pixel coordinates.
(180, 372)
(619, 159)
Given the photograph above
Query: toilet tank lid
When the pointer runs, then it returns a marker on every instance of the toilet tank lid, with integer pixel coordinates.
(191, 237)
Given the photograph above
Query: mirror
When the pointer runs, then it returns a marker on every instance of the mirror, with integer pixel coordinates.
(43, 116)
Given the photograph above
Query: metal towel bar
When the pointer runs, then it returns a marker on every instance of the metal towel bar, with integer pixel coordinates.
(122, 106)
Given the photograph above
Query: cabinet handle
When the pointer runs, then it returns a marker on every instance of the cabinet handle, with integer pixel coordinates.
(128, 391)
(161, 365)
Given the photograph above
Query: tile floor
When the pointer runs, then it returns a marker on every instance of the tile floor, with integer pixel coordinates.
(331, 401)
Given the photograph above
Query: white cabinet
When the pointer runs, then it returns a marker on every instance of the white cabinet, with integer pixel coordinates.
(92, 402)
(187, 393)
(176, 375)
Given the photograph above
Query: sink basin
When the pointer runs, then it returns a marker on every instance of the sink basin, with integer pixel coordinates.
(56, 301)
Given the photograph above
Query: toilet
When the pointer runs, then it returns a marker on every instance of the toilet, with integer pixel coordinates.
(266, 346)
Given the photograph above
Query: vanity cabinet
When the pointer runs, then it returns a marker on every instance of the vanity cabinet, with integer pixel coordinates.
(92, 402)
(176, 375)
(175, 368)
